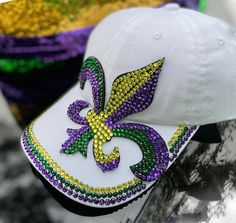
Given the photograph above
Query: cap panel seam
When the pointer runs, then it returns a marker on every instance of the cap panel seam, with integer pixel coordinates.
(123, 37)
(119, 36)
(197, 62)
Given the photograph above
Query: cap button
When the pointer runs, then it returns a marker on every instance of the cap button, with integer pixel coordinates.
(171, 7)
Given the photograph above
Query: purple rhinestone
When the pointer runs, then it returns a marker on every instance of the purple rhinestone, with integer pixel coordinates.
(118, 199)
(70, 192)
(60, 186)
(90, 200)
(96, 201)
(101, 202)
(113, 201)
(107, 201)
(47, 175)
(86, 199)
(139, 189)
(129, 194)
(44, 171)
(81, 197)
(64, 189)
(75, 195)
(55, 183)
(123, 197)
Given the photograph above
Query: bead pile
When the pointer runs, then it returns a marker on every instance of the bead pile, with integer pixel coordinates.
(48, 49)
(50, 30)
(34, 18)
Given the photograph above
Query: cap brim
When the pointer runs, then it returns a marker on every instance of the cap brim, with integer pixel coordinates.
(79, 177)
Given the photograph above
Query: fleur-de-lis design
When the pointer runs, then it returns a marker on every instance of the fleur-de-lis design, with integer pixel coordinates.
(131, 92)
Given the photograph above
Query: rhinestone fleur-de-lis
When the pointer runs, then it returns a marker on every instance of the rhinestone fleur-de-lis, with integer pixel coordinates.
(131, 92)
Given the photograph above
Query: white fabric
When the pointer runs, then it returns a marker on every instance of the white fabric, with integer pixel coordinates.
(198, 79)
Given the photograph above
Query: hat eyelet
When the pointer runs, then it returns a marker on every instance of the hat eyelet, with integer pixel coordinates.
(221, 42)
(157, 35)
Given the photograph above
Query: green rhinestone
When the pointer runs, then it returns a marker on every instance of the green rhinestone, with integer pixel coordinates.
(114, 194)
(88, 194)
(181, 136)
(176, 143)
(120, 192)
(109, 195)
(125, 190)
(67, 184)
(92, 195)
(38, 156)
(82, 191)
(72, 186)
(98, 195)
(77, 189)
(103, 195)
(185, 129)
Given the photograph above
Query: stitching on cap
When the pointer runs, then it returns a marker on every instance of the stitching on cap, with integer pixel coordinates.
(191, 24)
(122, 37)
(119, 35)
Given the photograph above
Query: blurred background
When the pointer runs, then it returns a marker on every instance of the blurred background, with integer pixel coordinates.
(42, 43)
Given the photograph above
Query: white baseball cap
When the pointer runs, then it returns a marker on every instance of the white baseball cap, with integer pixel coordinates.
(149, 79)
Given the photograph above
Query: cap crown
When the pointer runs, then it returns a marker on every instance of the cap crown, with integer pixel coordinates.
(197, 83)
